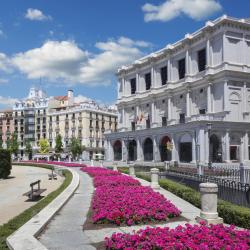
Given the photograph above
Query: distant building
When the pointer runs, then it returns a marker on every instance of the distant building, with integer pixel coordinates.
(30, 119)
(6, 127)
(188, 102)
(86, 121)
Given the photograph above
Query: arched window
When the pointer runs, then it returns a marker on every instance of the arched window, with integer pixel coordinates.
(117, 150)
(132, 150)
(165, 149)
(215, 149)
(185, 148)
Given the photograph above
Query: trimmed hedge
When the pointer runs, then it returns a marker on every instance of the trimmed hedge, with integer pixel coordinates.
(5, 163)
(231, 213)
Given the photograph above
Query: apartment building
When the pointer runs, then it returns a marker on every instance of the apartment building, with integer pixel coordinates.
(6, 127)
(86, 121)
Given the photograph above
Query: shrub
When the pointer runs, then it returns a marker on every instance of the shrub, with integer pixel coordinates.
(231, 213)
(5, 163)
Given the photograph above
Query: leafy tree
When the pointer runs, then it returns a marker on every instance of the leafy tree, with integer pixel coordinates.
(28, 149)
(75, 147)
(13, 144)
(44, 146)
(59, 144)
(1, 142)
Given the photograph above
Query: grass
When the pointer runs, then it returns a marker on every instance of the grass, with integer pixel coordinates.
(13, 224)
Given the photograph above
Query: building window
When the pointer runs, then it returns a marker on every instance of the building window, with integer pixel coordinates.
(164, 121)
(182, 68)
(133, 126)
(202, 60)
(148, 123)
(57, 118)
(148, 81)
(182, 118)
(133, 86)
(164, 75)
(202, 111)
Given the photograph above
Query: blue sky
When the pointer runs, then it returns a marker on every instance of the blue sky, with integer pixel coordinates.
(80, 44)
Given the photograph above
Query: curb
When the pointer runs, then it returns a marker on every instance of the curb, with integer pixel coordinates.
(25, 237)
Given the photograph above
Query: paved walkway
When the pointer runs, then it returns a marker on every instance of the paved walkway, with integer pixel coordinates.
(65, 230)
(12, 201)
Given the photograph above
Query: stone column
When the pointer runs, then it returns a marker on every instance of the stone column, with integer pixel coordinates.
(187, 62)
(153, 117)
(132, 171)
(193, 149)
(209, 212)
(137, 82)
(92, 163)
(169, 108)
(155, 178)
(169, 70)
(188, 103)
(208, 53)
(245, 97)
(123, 118)
(123, 87)
(138, 149)
(124, 151)
(155, 149)
(153, 83)
(225, 97)
(242, 139)
(209, 99)
(246, 157)
(174, 151)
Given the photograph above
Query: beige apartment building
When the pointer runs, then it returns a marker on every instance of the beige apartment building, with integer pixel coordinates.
(86, 121)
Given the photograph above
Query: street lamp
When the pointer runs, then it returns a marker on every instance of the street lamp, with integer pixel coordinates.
(209, 128)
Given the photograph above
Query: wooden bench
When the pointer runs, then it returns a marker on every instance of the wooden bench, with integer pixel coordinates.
(52, 176)
(34, 192)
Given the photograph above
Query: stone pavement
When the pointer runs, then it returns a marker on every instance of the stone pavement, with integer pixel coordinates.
(11, 190)
(65, 230)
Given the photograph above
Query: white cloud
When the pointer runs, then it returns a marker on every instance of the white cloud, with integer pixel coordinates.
(2, 80)
(195, 9)
(81, 98)
(36, 15)
(4, 63)
(1, 33)
(65, 61)
(7, 101)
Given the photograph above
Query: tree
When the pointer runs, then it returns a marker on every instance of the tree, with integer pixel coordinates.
(13, 144)
(75, 147)
(44, 146)
(28, 149)
(59, 144)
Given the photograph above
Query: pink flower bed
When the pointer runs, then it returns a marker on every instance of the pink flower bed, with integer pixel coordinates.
(98, 171)
(196, 237)
(121, 199)
(61, 163)
(115, 180)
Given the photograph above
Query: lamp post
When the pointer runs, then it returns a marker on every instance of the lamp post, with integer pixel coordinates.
(209, 128)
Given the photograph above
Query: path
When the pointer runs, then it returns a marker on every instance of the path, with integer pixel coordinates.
(65, 230)
(11, 190)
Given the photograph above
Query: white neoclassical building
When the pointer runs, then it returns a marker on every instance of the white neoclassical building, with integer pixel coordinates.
(189, 101)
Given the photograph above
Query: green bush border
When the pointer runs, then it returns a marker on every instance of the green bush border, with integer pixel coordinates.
(231, 213)
(12, 225)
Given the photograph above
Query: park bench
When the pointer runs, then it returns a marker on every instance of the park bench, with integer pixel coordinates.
(53, 175)
(34, 192)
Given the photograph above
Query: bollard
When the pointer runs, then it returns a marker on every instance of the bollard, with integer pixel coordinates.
(244, 174)
(167, 165)
(115, 167)
(200, 169)
(132, 171)
(155, 178)
(209, 212)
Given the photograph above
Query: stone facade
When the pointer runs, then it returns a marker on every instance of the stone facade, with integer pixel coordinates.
(189, 102)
